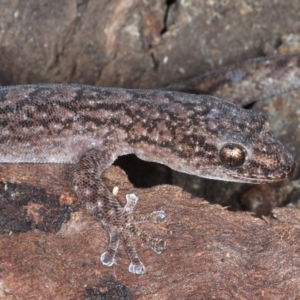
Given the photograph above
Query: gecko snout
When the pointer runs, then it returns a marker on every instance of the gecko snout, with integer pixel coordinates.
(287, 166)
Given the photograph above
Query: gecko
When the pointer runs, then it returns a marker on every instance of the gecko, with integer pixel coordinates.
(89, 127)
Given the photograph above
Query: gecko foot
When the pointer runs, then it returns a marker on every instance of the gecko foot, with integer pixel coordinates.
(125, 232)
(120, 222)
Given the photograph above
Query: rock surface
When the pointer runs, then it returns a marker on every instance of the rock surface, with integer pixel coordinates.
(49, 247)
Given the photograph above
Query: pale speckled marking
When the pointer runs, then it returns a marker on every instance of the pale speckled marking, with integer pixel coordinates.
(91, 126)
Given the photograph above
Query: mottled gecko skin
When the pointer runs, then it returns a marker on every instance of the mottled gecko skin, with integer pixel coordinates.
(91, 126)
(249, 81)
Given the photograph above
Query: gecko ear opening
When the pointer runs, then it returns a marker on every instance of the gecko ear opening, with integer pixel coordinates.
(232, 155)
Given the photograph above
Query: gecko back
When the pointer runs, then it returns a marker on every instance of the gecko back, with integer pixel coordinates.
(196, 134)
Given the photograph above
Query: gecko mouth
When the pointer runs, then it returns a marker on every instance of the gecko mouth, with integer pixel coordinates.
(282, 173)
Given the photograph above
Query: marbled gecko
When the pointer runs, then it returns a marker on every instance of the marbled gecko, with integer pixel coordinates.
(91, 126)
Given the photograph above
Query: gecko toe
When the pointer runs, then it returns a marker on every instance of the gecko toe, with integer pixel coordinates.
(159, 245)
(159, 217)
(136, 268)
(107, 259)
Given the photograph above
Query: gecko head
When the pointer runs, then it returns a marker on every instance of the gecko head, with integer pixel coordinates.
(260, 159)
(238, 146)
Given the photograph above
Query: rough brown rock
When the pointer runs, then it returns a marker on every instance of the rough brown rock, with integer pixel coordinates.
(211, 253)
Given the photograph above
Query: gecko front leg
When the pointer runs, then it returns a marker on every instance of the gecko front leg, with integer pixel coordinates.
(120, 222)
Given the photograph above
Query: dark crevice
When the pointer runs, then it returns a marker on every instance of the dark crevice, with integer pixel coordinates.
(168, 3)
(250, 105)
(73, 69)
(155, 62)
(143, 174)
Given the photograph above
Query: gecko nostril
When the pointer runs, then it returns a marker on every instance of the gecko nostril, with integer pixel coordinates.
(285, 168)
(288, 170)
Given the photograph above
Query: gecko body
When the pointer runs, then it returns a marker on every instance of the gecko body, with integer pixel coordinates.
(91, 126)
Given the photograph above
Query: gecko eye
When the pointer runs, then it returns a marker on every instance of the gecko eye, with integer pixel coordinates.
(232, 155)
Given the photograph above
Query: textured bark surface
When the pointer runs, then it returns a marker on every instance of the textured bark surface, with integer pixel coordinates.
(49, 247)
